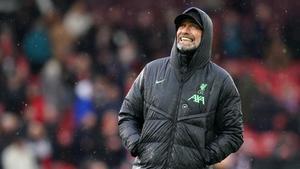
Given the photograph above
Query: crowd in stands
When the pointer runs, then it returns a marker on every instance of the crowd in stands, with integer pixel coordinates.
(65, 67)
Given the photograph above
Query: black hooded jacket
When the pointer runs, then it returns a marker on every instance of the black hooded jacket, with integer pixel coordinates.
(182, 119)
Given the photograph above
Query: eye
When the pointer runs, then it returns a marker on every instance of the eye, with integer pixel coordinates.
(195, 26)
(182, 26)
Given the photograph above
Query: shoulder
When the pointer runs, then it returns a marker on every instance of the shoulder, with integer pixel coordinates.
(219, 72)
(225, 78)
(155, 68)
(157, 64)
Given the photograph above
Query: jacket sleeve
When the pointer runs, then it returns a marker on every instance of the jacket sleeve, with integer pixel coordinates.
(130, 119)
(228, 124)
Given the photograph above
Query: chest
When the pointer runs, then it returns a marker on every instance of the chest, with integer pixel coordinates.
(197, 96)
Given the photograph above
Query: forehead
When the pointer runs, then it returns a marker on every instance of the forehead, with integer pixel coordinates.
(189, 21)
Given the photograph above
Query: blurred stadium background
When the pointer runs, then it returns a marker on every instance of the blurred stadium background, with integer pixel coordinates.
(65, 66)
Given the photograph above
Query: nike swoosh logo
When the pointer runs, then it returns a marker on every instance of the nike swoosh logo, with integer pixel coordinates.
(159, 81)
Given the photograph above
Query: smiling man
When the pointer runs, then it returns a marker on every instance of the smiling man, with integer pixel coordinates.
(183, 111)
(188, 35)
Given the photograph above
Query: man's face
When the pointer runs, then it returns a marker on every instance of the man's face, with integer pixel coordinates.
(188, 35)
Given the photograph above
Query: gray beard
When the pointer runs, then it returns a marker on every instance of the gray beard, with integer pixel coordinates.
(186, 49)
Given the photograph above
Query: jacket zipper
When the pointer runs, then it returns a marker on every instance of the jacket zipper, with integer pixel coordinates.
(174, 122)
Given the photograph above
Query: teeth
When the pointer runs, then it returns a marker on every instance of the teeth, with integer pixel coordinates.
(186, 39)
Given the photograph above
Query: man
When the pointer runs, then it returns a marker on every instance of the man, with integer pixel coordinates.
(183, 111)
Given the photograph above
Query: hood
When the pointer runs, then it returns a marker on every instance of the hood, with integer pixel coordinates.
(202, 55)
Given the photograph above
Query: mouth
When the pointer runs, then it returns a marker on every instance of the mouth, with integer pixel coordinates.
(186, 39)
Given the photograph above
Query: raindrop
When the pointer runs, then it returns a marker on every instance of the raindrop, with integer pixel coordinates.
(284, 50)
